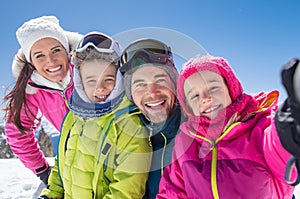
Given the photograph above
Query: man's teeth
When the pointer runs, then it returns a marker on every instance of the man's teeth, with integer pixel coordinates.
(155, 104)
(54, 69)
(211, 109)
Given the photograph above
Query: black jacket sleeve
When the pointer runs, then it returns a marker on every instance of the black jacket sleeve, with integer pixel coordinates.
(287, 117)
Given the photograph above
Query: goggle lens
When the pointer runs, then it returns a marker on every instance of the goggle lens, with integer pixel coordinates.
(98, 40)
(142, 56)
(149, 45)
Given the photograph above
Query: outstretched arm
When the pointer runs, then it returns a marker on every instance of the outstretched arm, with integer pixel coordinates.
(287, 117)
(25, 145)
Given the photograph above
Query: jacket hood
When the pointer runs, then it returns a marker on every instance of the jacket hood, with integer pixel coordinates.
(208, 63)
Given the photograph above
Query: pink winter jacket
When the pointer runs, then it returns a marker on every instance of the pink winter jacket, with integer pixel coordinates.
(42, 101)
(246, 161)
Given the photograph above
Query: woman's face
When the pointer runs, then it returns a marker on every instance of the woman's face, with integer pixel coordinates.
(206, 94)
(98, 78)
(50, 59)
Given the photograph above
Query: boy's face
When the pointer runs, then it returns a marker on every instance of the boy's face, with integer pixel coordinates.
(98, 79)
(206, 94)
(153, 92)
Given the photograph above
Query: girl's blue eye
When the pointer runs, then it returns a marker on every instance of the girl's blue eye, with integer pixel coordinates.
(194, 97)
(213, 89)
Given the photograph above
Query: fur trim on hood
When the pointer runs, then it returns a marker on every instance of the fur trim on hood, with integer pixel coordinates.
(19, 60)
(18, 63)
(73, 39)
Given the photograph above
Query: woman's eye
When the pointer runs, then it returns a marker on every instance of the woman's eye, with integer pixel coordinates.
(56, 50)
(39, 56)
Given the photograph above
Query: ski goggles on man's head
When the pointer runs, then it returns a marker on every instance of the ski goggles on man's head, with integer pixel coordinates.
(99, 41)
(145, 51)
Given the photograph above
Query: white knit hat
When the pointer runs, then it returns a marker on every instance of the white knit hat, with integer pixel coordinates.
(39, 28)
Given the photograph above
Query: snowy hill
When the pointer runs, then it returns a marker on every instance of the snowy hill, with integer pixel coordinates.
(18, 182)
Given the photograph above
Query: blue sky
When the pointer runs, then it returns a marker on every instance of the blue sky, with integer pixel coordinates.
(256, 37)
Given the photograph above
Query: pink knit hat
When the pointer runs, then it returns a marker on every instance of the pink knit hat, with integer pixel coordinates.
(210, 63)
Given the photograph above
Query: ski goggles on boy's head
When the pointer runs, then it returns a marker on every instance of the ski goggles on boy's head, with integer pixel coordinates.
(99, 41)
(145, 51)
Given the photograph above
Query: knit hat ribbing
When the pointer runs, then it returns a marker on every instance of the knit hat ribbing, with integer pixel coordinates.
(39, 28)
(210, 63)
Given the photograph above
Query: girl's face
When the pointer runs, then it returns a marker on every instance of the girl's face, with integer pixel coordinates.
(50, 59)
(98, 79)
(206, 94)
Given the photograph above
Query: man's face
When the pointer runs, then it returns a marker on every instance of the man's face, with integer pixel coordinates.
(153, 92)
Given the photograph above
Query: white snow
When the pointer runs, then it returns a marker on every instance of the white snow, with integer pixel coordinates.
(19, 182)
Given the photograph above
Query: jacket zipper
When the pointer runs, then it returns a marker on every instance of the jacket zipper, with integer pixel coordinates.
(214, 160)
(63, 94)
(163, 153)
(149, 138)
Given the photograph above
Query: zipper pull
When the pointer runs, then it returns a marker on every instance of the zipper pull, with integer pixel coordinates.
(213, 145)
(63, 94)
(149, 138)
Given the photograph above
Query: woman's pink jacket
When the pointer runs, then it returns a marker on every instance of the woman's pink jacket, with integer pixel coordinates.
(42, 101)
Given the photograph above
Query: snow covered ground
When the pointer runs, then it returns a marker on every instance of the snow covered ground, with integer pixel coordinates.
(18, 182)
